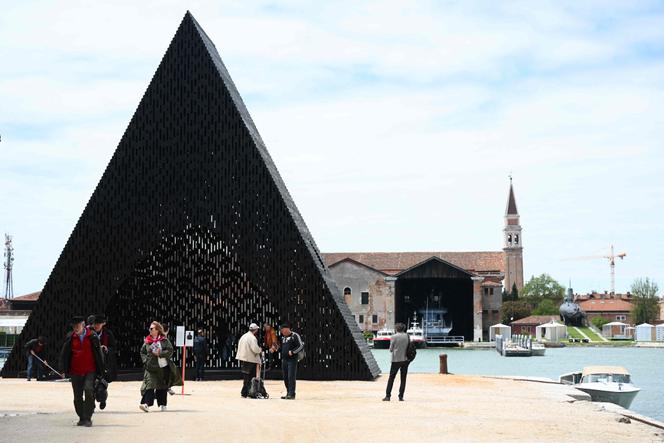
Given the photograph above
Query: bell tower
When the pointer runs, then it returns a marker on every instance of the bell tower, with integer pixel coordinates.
(512, 245)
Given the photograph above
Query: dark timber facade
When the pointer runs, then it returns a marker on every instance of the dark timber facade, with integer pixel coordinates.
(192, 225)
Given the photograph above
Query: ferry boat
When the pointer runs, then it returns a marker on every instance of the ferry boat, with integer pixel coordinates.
(383, 338)
(416, 333)
(611, 384)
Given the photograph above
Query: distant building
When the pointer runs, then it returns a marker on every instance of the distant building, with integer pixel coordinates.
(14, 314)
(661, 310)
(461, 289)
(527, 325)
(612, 307)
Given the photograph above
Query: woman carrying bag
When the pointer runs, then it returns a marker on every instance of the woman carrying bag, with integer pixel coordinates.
(160, 371)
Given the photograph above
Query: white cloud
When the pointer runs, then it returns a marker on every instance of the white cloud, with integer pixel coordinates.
(393, 124)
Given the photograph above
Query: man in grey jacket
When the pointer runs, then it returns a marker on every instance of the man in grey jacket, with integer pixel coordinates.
(398, 347)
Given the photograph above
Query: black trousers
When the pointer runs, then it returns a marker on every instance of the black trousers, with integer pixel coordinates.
(160, 394)
(248, 372)
(289, 370)
(83, 386)
(200, 366)
(396, 367)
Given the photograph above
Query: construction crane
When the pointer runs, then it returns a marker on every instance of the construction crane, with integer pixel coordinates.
(612, 264)
(9, 256)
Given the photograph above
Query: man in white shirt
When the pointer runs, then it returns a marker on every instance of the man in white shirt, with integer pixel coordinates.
(249, 355)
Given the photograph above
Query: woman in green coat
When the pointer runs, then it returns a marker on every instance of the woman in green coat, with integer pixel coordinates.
(160, 371)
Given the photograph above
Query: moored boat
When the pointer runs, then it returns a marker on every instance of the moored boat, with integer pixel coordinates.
(611, 384)
(383, 338)
(416, 334)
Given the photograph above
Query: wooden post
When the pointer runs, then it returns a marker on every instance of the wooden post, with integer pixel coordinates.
(443, 364)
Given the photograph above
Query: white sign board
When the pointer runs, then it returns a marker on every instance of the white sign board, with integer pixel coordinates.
(179, 336)
(189, 338)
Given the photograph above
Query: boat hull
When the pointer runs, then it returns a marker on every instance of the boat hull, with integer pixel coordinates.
(381, 344)
(622, 398)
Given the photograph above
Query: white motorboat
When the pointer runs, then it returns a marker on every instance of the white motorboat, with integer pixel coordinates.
(416, 333)
(537, 349)
(383, 338)
(611, 384)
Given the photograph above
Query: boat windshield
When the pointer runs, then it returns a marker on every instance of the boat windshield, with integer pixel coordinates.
(606, 378)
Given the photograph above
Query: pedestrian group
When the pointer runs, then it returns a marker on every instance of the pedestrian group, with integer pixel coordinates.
(88, 358)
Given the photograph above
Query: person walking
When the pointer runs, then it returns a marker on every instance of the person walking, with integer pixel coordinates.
(200, 354)
(398, 347)
(292, 349)
(108, 346)
(249, 356)
(81, 359)
(160, 372)
(34, 349)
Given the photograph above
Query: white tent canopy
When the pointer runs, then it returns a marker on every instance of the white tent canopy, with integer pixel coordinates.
(645, 332)
(615, 329)
(499, 329)
(659, 332)
(551, 332)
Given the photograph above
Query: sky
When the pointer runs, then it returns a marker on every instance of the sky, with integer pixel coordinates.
(395, 125)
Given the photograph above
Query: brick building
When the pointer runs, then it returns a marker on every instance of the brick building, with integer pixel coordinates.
(613, 307)
(527, 325)
(463, 289)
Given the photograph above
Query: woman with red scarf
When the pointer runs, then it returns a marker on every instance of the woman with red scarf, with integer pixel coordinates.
(160, 371)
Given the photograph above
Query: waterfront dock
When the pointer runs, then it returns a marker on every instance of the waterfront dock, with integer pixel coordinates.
(437, 408)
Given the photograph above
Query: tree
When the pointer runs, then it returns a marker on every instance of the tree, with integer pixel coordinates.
(514, 310)
(547, 307)
(542, 287)
(514, 295)
(599, 322)
(646, 304)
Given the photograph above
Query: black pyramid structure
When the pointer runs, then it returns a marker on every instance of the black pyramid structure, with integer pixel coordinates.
(192, 225)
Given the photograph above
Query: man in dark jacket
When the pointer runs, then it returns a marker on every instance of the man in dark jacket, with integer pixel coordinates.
(291, 346)
(107, 342)
(81, 359)
(35, 348)
(200, 354)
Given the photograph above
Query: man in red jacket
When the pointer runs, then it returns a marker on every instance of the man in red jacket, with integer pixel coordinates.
(81, 359)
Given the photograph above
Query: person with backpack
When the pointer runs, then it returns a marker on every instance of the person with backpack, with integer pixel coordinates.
(81, 359)
(249, 356)
(399, 348)
(108, 346)
(292, 351)
(200, 354)
(34, 350)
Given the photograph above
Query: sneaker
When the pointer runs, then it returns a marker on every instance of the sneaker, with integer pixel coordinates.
(386, 399)
(80, 422)
(400, 398)
(288, 397)
(163, 408)
(144, 408)
(28, 379)
(102, 405)
(87, 423)
(170, 391)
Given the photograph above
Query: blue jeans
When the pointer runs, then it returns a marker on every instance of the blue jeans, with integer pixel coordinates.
(31, 362)
(289, 369)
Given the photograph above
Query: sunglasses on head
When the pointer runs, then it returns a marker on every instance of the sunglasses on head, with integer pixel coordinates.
(152, 328)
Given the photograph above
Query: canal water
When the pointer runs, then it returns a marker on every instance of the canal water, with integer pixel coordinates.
(645, 364)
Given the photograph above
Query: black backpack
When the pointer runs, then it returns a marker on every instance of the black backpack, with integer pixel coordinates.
(411, 350)
(257, 389)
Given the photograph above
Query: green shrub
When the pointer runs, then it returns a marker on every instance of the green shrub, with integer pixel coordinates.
(598, 322)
